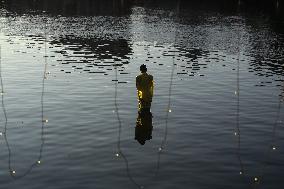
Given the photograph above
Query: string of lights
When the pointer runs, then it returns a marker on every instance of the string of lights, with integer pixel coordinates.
(168, 110)
(119, 151)
(256, 180)
(12, 170)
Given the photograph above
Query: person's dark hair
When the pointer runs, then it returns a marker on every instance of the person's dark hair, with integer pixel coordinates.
(143, 68)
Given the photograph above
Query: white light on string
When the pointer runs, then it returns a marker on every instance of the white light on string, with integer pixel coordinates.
(45, 120)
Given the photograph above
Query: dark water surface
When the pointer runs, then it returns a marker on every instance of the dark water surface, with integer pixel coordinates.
(69, 107)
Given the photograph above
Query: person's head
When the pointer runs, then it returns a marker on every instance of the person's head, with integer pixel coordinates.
(143, 68)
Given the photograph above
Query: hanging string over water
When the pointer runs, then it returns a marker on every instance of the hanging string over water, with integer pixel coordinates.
(168, 110)
(12, 171)
(237, 93)
(272, 147)
(119, 151)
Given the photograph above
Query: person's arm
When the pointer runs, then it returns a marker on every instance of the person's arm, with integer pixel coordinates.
(138, 85)
(152, 87)
(137, 82)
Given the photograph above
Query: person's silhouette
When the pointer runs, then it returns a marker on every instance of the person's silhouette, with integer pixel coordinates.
(145, 87)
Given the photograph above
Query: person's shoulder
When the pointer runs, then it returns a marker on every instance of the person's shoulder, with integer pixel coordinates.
(150, 76)
(138, 76)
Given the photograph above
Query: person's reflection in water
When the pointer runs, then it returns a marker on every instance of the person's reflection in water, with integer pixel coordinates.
(145, 87)
(144, 127)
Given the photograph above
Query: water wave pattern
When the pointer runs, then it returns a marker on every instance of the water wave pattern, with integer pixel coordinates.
(92, 57)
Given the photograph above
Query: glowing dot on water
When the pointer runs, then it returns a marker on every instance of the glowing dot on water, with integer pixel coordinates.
(236, 92)
(170, 110)
(117, 154)
(14, 172)
(38, 161)
(273, 148)
(241, 172)
(160, 149)
(236, 133)
(255, 179)
(1, 133)
(45, 120)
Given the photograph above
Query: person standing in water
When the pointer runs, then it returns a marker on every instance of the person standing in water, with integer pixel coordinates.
(145, 88)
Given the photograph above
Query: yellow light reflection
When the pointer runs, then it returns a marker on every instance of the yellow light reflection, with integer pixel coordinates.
(140, 94)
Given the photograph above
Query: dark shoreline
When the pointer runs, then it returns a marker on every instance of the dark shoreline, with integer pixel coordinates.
(273, 8)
